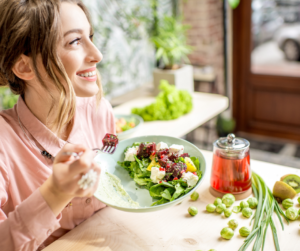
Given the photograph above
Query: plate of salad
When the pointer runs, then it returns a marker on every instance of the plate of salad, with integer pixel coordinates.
(149, 173)
(126, 124)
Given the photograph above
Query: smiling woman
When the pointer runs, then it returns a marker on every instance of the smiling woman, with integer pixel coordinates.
(47, 56)
(77, 52)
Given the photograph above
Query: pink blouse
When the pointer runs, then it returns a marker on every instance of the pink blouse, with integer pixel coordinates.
(26, 221)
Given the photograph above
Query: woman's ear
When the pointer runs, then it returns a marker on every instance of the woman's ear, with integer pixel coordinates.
(23, 69)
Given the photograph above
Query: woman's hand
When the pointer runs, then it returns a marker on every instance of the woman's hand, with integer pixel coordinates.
(62, 185)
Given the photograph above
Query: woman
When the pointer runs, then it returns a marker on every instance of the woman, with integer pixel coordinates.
(47, 57)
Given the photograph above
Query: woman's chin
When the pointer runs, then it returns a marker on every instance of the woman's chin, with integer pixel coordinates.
(89, 91)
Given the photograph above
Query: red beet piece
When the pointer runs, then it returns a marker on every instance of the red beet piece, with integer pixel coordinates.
(176, 169)
(184, 155)
(145, 150)
(162, 152)
(164, 161)
(173, 157)
(110, 140)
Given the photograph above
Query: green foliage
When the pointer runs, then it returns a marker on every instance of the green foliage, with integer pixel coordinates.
(225, 126)
(170, 42)
(234, 3)
(7, 99)
(170, 103)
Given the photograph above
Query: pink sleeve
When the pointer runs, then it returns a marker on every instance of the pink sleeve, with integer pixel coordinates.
(29, 225)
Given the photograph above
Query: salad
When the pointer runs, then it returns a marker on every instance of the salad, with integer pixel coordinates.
(123, 125)
(166, 171)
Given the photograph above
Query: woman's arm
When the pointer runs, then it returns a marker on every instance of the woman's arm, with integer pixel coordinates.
(62, 186)
(30, 224)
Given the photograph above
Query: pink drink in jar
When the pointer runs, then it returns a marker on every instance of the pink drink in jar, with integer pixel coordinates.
(231, 172)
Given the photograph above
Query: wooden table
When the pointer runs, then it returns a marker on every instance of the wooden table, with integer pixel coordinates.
(206, 106)
(173, 229)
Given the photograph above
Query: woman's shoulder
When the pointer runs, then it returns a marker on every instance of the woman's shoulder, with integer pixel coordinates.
(102, 105)
(8, 120)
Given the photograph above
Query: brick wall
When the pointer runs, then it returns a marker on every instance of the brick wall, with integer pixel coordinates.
(206, 34)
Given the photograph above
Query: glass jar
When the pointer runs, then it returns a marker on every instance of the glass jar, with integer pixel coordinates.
(231, 172)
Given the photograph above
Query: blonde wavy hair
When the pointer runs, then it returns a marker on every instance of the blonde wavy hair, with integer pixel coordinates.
(32, 28)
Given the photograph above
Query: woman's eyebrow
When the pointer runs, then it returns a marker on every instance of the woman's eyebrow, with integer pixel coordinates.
(73, 31)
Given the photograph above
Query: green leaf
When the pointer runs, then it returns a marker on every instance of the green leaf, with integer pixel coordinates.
(197, 164)
(141, 181)
(178, 192)
(159, 202)
(156, 190)
(167, 193)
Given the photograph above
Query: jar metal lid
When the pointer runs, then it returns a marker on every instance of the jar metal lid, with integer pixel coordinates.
(232, 143)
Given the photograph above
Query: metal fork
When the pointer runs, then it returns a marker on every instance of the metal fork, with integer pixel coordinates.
(110, 142)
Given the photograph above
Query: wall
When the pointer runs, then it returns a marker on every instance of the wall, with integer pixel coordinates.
(206, 34)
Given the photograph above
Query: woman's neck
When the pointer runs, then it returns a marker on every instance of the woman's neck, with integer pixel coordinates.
(40, 103)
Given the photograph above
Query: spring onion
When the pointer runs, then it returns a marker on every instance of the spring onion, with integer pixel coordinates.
(263, 216)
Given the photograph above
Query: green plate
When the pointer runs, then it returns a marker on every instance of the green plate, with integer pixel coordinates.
(141, 195)
(138, 120)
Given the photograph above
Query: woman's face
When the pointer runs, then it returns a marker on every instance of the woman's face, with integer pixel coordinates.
(77, 52)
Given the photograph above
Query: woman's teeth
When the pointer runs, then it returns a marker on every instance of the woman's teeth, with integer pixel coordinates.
(88, 74)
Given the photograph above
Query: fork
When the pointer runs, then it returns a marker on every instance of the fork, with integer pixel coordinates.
(110, 142)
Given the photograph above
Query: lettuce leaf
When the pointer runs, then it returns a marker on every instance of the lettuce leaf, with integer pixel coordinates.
(158, 189)
(167, 193)
(141, 181)
(159, 202)
(197, 164)
(178, 192)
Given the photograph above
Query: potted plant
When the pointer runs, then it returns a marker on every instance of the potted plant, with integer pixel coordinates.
(171, 53)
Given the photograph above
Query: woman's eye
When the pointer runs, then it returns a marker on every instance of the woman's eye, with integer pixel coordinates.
(76, 41)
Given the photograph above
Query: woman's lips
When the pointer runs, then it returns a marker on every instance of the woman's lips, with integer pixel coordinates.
(91, 79)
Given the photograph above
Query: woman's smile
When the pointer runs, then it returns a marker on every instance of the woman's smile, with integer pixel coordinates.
(88, 74)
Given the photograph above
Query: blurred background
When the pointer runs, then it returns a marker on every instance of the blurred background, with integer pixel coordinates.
(248, 51)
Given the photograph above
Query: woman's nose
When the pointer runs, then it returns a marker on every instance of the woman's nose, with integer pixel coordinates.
(93, 54)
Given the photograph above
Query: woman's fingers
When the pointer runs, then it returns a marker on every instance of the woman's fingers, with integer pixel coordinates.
(83, 164)
(66, 153)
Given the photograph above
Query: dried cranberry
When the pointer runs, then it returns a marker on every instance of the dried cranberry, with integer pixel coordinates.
(194, 173)
(175, 178)
(161, 169)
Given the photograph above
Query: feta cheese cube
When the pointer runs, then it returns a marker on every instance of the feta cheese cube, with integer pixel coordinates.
(130, 153)
(161, 145)
(190, 178)
(176, 149)
(156, 174)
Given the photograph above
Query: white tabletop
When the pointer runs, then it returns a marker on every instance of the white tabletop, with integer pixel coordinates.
(206, 106)
(172, 229)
